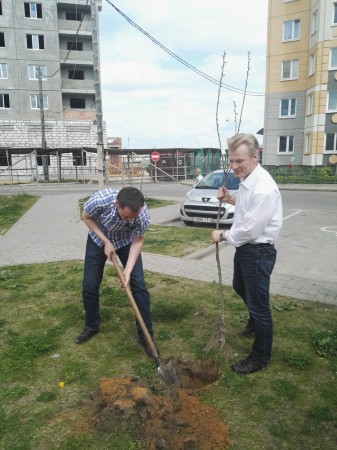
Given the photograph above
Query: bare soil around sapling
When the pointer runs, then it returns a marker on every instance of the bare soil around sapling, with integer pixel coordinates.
(164, 418)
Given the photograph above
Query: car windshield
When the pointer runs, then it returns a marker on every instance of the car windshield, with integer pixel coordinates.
(215, 180)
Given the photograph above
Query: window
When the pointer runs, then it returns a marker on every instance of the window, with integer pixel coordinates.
(290, 70)
(291, 30)
(4, 101)
(6, 160)
(0, 8)
(314, 22)
(288, 107)
(333, 58)
(3, 71)
(79, 159)
(76, 74)
(77, 103)
(33, 72)
(40, 159)
(286, 144)
(33, 10)
(307, 143)
(310, 102)
(312, 64)
(332, 102)
(78, 46)
(35, 41)
(335, 13)
(35, 101)
(2, 40)
(331, 142)
(73, 15)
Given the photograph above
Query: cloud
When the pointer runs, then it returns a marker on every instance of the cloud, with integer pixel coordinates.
(151, 100)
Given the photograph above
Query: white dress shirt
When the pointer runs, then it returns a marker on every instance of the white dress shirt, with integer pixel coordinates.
(258, 210)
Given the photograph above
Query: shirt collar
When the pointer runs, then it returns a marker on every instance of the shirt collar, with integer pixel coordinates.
(249, 181)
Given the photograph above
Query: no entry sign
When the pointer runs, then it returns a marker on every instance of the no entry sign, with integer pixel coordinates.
(155, 156)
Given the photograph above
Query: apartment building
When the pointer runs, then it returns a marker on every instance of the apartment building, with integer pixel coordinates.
(47, 80)
(301, 83)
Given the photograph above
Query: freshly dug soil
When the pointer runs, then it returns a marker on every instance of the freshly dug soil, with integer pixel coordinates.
(165, 418)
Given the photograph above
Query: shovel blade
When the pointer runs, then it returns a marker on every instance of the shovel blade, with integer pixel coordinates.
(168, 374)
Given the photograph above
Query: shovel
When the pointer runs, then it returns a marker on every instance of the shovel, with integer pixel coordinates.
(166, 371)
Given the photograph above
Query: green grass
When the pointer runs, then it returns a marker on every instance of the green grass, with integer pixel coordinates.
(176, 241)
(290, 405)
(12, 207)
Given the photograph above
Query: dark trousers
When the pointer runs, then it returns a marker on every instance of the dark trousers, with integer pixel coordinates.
(93, 273)
(253, 265)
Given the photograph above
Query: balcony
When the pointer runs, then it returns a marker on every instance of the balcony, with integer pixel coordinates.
(76, 2)
(78, 86)
(70, 27)
(85, 57)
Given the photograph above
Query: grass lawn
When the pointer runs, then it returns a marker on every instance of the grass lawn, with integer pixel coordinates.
(11, 208)
(291, 405)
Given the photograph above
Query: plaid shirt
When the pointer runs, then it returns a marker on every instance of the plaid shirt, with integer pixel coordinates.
(101, 207)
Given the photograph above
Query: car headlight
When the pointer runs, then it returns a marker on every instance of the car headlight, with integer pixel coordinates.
(189, 196)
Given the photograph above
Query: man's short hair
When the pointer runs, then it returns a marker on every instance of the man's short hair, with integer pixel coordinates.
(242, 138)
(131, 197)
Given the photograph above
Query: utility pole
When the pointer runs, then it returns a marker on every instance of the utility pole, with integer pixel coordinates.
(43, 130)
(98, 96)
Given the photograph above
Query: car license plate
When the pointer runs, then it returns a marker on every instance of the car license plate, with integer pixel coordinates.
(203, 219)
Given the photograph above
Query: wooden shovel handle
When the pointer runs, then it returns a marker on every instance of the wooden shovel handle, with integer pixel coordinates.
(135, 307)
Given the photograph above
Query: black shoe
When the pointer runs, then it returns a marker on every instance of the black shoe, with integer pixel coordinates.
(85, 336)
(249, 330)
(248, 365)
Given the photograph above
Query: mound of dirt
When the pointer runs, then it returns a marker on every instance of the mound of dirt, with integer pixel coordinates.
(163, 417)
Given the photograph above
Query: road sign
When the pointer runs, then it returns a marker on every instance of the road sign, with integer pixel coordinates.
(155, 156)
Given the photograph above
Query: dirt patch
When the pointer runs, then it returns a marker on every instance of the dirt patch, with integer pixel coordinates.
(163, 417)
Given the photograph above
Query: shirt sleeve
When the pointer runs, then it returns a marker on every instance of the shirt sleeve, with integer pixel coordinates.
(94, 205)
(254, 222)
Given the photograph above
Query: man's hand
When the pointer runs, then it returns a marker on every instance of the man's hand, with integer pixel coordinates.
(225, 196)
(215, 237)
(127, 275)
(109, 250)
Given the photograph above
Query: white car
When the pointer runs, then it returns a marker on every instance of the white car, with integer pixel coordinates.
(201, 204)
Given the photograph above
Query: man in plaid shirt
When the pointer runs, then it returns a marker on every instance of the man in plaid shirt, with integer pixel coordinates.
(117, 221)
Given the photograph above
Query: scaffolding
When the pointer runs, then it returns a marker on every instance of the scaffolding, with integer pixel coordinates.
(81, 165)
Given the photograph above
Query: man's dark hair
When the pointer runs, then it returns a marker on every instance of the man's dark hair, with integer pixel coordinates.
(131, 197)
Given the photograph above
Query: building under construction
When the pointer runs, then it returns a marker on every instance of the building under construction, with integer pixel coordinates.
(49, 82)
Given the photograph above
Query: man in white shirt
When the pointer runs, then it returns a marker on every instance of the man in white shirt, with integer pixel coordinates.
(198, 176)
(257, 223)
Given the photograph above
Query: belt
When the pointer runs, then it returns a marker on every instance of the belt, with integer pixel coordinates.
(259, 245)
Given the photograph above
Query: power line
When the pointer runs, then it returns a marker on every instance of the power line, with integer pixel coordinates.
(182, 61)
(68, 53)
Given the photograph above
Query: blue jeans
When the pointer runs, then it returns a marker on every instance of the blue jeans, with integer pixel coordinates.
(93, 273)
(253, 265)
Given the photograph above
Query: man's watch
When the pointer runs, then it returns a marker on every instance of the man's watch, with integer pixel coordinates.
(222, 236)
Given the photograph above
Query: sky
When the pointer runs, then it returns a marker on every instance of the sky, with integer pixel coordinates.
(151, 100)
